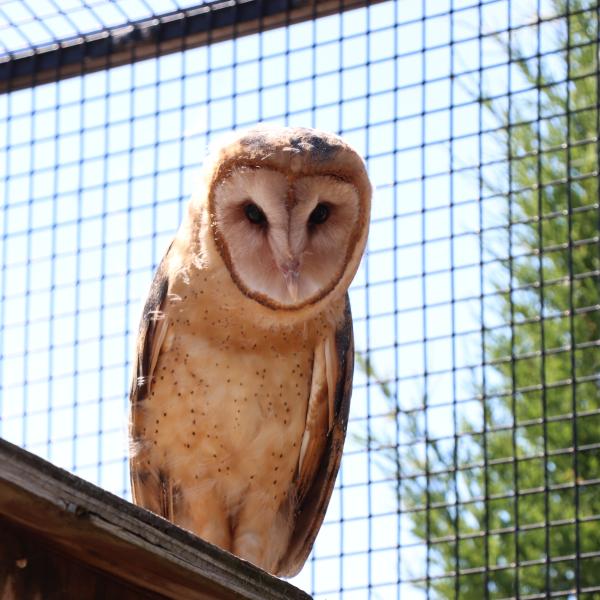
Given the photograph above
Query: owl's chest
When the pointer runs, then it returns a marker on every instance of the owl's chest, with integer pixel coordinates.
(232, 389)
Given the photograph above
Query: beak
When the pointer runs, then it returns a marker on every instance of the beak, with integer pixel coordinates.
(291, 271)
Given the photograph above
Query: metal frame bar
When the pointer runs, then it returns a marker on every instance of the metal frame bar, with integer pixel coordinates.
(207, 23)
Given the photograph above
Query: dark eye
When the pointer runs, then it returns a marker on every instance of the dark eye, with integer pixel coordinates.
(319, 215)
(254, 214)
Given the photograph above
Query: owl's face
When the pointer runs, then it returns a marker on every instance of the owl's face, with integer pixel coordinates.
(287, 239)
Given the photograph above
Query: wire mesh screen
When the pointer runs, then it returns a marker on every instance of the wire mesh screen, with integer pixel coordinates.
(472, 464)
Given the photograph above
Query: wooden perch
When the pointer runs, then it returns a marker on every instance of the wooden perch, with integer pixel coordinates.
(62, 537)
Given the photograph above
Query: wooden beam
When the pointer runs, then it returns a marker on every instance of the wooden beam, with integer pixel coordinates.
(127, 543)
(164, 34)
(32, 569)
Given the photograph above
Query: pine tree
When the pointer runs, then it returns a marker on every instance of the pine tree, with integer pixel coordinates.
(542, 398)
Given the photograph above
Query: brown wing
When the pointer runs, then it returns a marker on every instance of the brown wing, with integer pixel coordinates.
(315, 494)
(152, 327)
(147, 486)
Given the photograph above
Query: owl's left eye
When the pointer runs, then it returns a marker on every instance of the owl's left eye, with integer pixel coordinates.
(254, 214)
(319, 215)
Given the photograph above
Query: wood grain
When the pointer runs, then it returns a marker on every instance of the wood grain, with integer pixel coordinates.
(100, 533)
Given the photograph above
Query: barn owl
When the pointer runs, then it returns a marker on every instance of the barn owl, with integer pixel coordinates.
(243, 373)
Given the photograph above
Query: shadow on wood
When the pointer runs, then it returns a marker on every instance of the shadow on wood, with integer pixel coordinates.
(62, 537)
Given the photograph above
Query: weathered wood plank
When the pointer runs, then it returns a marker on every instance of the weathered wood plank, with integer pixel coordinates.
(127, 543)
(31, 569)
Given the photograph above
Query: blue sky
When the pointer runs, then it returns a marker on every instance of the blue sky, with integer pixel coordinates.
(97, 169)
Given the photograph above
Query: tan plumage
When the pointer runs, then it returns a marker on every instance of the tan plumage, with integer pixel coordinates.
(241, 390)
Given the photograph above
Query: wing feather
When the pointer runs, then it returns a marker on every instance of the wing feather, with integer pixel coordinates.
(332, 374)
(316, 428)
(153, 327)
(152, 332)
(318, 488)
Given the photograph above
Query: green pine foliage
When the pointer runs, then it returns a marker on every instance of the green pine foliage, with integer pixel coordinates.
(541, 398)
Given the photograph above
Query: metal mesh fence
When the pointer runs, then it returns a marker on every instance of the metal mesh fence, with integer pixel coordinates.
(471, 468)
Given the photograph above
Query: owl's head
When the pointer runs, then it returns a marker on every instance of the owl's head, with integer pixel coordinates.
(289, 209)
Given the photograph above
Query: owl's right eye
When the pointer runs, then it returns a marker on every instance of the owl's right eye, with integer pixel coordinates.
(254, 214)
